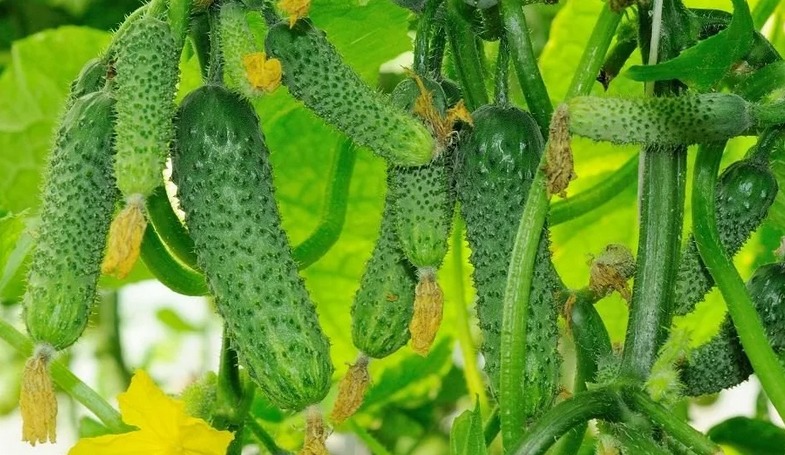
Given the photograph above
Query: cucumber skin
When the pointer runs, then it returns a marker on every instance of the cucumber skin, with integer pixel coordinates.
(78, 201)
(221, 167)
(144, 88)
(744, 181)
(315, 74)
(236, 42)
(384, 303)
(424, 196)
(91, 78)
(722, 363)
(497, 162)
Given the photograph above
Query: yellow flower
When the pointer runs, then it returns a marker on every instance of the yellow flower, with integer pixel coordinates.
(164, 427)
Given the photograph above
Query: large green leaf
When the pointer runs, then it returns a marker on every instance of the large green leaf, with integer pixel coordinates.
(749, 436)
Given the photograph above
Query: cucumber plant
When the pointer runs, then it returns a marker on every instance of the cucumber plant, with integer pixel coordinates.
(272, 76)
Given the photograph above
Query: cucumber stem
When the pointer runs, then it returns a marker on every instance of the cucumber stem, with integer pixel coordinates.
(603, 403)
(111, 343)
(179, 15)
(422, 39)
(502, 89)
(661, 205)
(525, 63)
(471, 373)
(215, 66)
(168, 226)
(167, 269)
(594, 53)
(333, 216)
(680, 430)
(264, 437)
(595, 196)
(762, 11)
(372, 443)
(492, 426)
(515, 309)
(468, 63)
(67, 381)
(749, 327)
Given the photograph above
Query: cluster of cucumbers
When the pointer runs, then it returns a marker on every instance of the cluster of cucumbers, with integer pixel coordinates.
(121, 124)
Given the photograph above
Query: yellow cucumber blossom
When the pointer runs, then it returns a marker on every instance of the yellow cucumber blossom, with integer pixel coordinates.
(164, 428)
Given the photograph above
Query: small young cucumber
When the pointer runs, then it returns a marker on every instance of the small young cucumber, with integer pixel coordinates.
(688, 119)
(721, 363)
(90, 79)
(745, 191)
(497, 162)
(315, 73)
(144, 88)
(77, 204)
(222, 170)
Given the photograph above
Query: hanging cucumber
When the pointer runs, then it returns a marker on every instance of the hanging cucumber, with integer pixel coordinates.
(496, 164)
(77, 203)
(221, 167)
(315, 73)
(144, 86)
(381, 312)
(745, 191)
(721, 363)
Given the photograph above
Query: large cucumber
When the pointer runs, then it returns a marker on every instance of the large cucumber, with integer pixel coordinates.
(316, 74)
(222, 170)
(497, 162)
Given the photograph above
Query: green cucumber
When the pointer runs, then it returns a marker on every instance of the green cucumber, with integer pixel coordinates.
(689, 119)
(382, 307)
(745, 191)
(90, 79)
(76, 210)
(496, 164)
(144, 87)
(315, 73)
(222, 170)
(721, 363)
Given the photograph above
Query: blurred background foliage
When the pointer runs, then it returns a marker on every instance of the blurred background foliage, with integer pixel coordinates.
(44, 43)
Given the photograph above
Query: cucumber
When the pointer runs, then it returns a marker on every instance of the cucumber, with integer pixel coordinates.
(382, 307)
(745, 191)
(78, 199)
(221, 167)
(315, 73)
(721, 363)
(689, 119)
(144, 86)
(497, 162)
(90, 79)
(77, 204)
(245, 69)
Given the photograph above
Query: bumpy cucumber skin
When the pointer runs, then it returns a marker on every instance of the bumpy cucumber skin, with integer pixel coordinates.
(721, 363)
(424, 196)
(315, 73)
(745, 192)
(692, 119)
(76, 210)
(383, 305)
(497, 162)
(144, 90)
(236, 41)
(221, 168)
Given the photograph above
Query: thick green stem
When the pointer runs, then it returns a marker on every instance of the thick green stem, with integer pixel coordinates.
(422, 39)
(763, 10)
(661, 201)
(334, 212)
(600, 403)
(215, 68)
(525, 63)
(596, 196)
(169, 227)
(468, 63)
(200, 37)
(170, 271)
(594, 53)
(674, 426)
(68, 382)
(157, 7)
(502, 88)
(372, 443)
(745, 319)
(111, 343)
(515, 309)
(492, 427)
(468, 349)
(179, 16)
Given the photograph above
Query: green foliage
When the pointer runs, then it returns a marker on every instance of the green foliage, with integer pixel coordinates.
(466, 437)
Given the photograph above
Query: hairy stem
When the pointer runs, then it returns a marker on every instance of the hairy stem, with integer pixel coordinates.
(468, 63)
(594, 53)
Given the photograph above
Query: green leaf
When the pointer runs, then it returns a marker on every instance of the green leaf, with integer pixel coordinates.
(34, 87)
(749, 436)
(15, 244)
(466, 436)
(704, 64)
